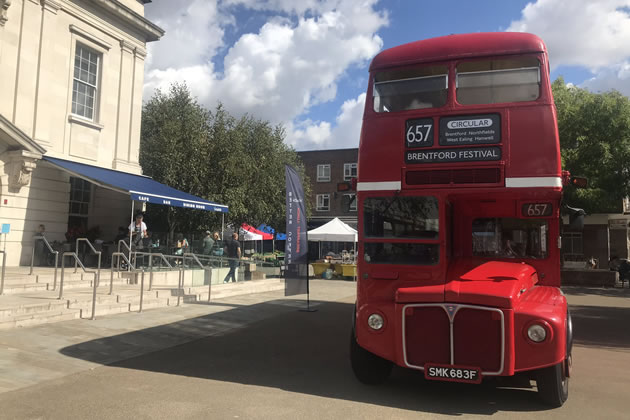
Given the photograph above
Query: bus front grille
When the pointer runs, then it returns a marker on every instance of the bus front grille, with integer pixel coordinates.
(454, 334)
(455, 176)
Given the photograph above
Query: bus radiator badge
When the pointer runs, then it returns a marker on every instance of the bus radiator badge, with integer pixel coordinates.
(450, 310)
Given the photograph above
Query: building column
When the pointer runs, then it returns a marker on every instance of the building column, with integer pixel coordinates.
(44, 92)
(28, 63)
(123, 119)
(136, 107)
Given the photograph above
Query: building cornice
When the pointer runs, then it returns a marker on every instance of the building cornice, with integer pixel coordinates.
(51, 5)
(16, 137)
(149, 30)
(76, 30)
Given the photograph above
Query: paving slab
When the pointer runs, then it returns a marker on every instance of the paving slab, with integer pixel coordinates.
(31, 355)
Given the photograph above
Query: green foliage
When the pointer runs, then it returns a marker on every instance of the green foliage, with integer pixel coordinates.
(595, 143)
(237, 162)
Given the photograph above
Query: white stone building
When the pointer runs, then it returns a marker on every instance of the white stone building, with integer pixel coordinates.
(71, 76)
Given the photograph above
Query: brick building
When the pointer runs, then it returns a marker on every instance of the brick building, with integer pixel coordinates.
(325, 169)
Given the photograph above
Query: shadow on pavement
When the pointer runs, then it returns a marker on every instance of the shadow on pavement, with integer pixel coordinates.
(305, 353)
(597, 291)
(601, 326)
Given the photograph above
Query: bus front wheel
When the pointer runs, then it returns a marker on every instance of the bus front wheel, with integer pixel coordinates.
(553, 384)
(368, 368)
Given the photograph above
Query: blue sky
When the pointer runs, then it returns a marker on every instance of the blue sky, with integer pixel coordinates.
(303, 63)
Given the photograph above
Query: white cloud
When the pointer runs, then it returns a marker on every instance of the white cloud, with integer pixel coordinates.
(587, 33)
(318, 135)
(194, 33)
(616, 77)
(278, 73)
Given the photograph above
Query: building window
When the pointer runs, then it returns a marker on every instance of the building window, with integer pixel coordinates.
(323, 173)
(572, 246)
(351, 200)
(80, 194)
(85, 83)
(323, 202)
(349, 171)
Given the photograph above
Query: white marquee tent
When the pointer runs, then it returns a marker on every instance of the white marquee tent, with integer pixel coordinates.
(333, 231)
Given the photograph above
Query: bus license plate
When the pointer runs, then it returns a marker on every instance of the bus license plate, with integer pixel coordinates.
(452, 373)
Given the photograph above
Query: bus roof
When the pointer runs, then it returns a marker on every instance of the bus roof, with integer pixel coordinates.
(458, 46)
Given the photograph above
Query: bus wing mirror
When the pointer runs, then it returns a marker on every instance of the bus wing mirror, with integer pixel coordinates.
(576, 218)
(579, 182)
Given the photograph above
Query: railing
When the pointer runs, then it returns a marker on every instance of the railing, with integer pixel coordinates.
(206, 269)
(98, 253)
(4, 264)
(78, 261)
(50, 248)
(124, 257)
(122, 242)
(151, 256)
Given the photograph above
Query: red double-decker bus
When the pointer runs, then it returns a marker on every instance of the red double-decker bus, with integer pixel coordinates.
(459, 195)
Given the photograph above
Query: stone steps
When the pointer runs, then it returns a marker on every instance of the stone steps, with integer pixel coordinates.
(38, 306)
(33, 308)
(37, 318)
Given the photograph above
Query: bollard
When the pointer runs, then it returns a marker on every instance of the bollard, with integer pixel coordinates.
(94, 298)
(56, 264)
(141, 290)
(150, 272)
(179, 287)
(209, 284)
(63, 266)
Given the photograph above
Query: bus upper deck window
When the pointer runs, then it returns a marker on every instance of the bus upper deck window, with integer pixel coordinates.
(498, 81)
(401, 90)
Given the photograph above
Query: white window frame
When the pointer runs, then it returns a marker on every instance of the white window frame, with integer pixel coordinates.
(81, 48)
(321, 173)
(353, 203)
(320, 200)
(85, 188)
(347, 171)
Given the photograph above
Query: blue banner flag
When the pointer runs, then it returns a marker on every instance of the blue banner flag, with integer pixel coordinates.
(296, 247)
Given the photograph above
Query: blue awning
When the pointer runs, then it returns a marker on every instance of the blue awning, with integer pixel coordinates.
(140, 187)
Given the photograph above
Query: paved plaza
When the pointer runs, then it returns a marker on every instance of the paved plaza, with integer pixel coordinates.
(258, 356)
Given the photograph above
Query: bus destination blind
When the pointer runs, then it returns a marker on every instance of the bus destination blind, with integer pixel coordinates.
(470, 130)
(468, 154)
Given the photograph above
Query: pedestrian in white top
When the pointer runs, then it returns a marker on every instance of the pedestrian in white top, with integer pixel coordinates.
(138, 230)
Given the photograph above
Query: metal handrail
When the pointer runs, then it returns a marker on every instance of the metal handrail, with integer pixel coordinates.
(4, 264)
(124, 257)
(205, 268)
(50, 248)
(151, 255)
(63, 269)
(98, 253)
(122, 241)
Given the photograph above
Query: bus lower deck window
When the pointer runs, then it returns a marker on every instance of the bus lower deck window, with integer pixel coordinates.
(401, 217)
(509, 237)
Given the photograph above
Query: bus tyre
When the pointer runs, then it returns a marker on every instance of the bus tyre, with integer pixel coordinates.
(368, 368)
(553, 385)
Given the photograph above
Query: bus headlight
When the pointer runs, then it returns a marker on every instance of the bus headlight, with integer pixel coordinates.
(537, 333)
(375, 321)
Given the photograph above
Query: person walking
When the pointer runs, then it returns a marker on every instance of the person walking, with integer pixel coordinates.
(208, 243)
(234, 254)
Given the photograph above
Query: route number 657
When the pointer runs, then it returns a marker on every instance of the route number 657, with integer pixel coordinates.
(536, 209)
(419, 132)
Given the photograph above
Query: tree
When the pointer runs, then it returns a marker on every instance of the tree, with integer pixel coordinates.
(213, 155)
(595, 143)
